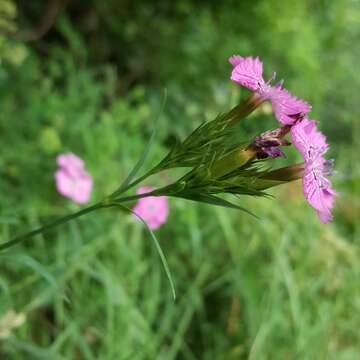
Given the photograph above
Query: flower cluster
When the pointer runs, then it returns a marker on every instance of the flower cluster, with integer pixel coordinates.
(72, 180)
(291, 112)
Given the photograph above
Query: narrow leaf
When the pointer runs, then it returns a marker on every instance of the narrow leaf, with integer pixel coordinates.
(158, 248)
(214, 200)
(146, 150)
(34, 265)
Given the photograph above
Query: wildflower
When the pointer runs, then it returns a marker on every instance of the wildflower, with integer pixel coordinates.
(247, 71)
(72, 180)
(70, 161)
(217, 162)
(154, 210)
(235, 60)
(312, 145)
(287, 108)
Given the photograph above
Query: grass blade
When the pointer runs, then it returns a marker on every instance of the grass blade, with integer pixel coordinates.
(146, 150)
(214, 200)
(158, 248)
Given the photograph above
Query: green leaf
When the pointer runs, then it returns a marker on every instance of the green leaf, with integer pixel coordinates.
(34, 265)
(146, 150)
(158, 248)
(213, 200)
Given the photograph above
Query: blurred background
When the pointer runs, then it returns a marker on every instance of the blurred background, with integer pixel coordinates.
(88, 77)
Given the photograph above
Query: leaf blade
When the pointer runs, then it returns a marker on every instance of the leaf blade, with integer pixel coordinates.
(146, 150)
(158, 248)
(214, 200)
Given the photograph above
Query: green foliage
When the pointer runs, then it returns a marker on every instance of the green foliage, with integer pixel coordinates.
(10, 51)
(283, 286)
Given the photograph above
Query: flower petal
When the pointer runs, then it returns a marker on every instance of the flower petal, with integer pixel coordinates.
(248, 72)
(70, 160)
(235, 60)
(310, 142)
(287, 108)
(319, 197)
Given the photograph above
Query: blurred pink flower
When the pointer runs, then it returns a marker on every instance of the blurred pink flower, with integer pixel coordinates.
(312, 145)
(70, 161)
(235, 60)
(72, 180)
(154, 210)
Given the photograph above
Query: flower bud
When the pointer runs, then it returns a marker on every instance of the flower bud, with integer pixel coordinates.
(279, 176)
(232, 161)
(267, 144)
(245, 108)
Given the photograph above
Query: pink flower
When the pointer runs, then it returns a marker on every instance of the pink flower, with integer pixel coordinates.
(70, 161)
(72, 180)
(235, 60)
(287, 108)
(154, 210)
(312, 145)
(248, 72)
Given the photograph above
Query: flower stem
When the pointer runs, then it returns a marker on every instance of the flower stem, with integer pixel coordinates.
(245, 108)
(121, 190)
(52, 225)
(106, 203)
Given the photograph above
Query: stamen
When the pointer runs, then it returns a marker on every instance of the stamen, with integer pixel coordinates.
(279, 84)
(328, 167)
(273, 76)
(329, 163)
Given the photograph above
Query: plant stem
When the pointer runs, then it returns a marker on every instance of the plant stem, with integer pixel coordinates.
(245, 108)
(106, 203)
(121, 190)
(53, 224)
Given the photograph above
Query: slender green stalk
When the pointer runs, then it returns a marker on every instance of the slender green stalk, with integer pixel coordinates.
(52, 225)
(158, 248)
(121, 190)
(108, 202)
(245, 108)
(133, 197)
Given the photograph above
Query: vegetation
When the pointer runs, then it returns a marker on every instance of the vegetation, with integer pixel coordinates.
(88, 77)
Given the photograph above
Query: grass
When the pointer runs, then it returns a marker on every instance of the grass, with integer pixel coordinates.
(105, 295)
(283, 287)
